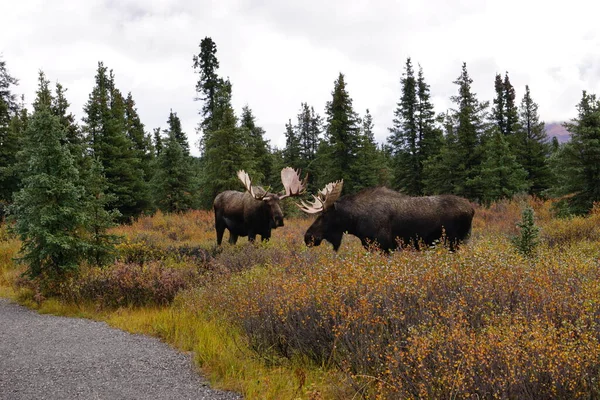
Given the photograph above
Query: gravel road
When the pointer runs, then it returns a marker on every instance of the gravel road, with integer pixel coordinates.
(49, 357)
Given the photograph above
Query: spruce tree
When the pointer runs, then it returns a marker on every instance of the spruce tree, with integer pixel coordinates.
(100, 216)
(259, 146)
(504, 112)
(10, 169)
(307, 133)
(469, 120)
(206, 65)
(49, 211)
(59, 106)
(172, 182)
(369, 160)
(106, 127)
(404, 138)
(414, 137)
(343, 137)
(227, 150)
(291, 152)
(175, 128)
(12, 123)
(501, 175)
(579, 160)
(511, 110)
(456, 169)
(308, 130)
(442, 171)
(532, 147)
(498, 109)
(158, 142)
(430, 136)
(8, 99)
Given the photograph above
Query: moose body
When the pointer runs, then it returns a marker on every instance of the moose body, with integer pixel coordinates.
(388, 219)
(243, 215)
(256, 211)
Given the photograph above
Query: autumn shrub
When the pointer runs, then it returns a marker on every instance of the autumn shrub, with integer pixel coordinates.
(483, 322)
(126, 284)
(573, 229)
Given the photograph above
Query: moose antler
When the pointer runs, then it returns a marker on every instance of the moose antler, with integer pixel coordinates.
(292, 184)
(327, 196)
(243, 176)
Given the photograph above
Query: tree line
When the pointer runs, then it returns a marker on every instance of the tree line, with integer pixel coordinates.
(63, 177)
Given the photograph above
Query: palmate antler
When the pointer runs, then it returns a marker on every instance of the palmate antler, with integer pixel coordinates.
(327, 196)
(245, 178)
(292, 184)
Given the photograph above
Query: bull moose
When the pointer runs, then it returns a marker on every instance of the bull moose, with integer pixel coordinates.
(387, 218)
(255, 211)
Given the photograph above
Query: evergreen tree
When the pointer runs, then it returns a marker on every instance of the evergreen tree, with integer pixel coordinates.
(8, 99)
(158, 145)
(384, 175)
(226, 151)
(527, 240)
(511, 111)
(307, 132)
(501, 175)
(49, 210)
(505, 113)
(342, 137)
(368, 159)
(12, 123)
(499, 105)
(100, 217)
(531, 146)
(414, 137)
(441, 171)
(456, 169)
(291, 153)
(172, 181)
(206, 65)
(106, 127)
(59, 107)
(579, 160)
(430, 137)
(259, 147)
(404, 136)
(555, 145)
(175, 128)
(10, 169)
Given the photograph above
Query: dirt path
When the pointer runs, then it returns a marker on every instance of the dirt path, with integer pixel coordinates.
(49, 357)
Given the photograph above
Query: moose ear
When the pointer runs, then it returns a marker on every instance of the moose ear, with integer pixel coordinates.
(267, 198)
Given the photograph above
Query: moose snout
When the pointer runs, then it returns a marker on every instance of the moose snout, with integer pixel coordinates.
(278, 221)
(310, 240)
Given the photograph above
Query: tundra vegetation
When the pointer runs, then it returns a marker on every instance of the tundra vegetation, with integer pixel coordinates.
(280, 320)
(512, 314)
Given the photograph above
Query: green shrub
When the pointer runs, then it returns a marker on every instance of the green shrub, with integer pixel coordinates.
(527, 240)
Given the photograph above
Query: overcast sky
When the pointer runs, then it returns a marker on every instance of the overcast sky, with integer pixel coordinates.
(280, 53)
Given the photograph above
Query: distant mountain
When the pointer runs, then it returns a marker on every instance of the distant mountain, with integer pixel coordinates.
(557, 129)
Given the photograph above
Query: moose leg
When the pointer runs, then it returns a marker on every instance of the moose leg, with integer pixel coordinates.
(265, 236)
(220, 227)
(232, 238)
(251, 236)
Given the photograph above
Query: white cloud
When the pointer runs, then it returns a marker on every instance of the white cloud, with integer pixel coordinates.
(279, 54)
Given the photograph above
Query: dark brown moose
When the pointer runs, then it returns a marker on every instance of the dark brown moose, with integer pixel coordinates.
(385, 218)
(256, 211)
